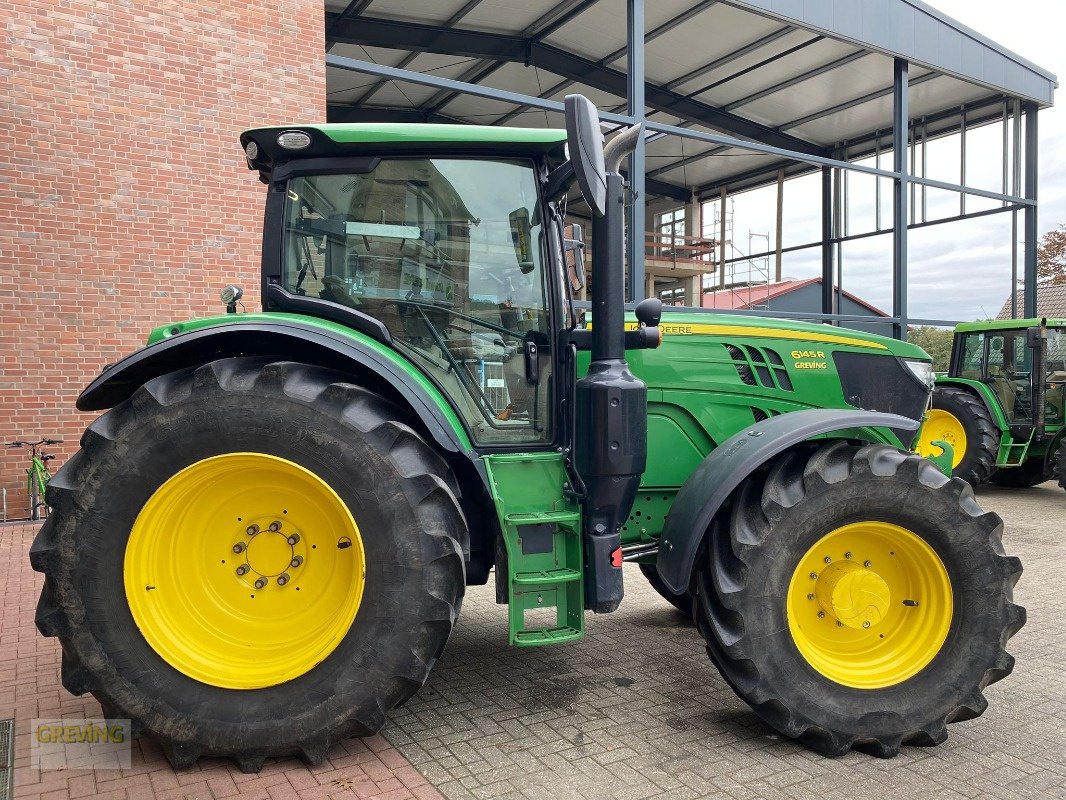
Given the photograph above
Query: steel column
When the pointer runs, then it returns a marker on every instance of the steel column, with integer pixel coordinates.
(900, 117)
(635, 107)
(1029, 220)
(779, 233)
(1016, 163)
(827, 240)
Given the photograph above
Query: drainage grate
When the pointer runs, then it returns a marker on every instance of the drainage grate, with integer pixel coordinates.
(7, 756)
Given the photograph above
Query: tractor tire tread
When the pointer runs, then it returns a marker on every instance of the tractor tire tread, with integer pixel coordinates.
(427, 483)
(725, 593)
(979, 462)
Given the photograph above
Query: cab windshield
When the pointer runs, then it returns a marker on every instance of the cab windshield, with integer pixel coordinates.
(448, 254)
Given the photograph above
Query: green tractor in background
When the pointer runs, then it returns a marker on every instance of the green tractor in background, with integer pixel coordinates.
(263, 546)
(1001, 405)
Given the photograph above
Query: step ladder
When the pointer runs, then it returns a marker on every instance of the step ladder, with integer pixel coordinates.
(541, 529)
(1013, 453)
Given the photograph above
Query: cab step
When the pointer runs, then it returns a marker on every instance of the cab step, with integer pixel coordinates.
(541, 566)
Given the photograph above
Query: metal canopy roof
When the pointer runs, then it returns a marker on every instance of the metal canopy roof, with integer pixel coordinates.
(814, 77)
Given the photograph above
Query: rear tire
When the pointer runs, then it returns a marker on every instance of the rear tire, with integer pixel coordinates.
(1060, 464)
(747, 583)
(399, 490)
(682, 602)
(978, 457)
(1031, 473)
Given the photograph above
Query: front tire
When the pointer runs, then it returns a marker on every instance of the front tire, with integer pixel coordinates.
(962, 420)
(167, 489)
(915, 599)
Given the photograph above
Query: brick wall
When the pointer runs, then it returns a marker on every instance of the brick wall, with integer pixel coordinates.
(124, 198)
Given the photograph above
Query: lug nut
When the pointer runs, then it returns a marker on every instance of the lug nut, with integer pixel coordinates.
(296, 561)
(283, 578)
(293, 539)
(827, 560)
(260, 582)
(840, 624)
(847, 554)
(242, 569)
(275, 526)
(814, 576)
(867, 564)
(866, 623)
(810, 596)
(239, 547)
(821, 615)
(252, 530)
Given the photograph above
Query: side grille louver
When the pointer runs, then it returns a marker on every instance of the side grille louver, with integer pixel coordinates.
(759, 367)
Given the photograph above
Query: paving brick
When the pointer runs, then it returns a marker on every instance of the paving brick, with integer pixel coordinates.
(635, 710)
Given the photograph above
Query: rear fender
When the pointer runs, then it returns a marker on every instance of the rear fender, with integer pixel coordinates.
(370, 364)
(726, 467)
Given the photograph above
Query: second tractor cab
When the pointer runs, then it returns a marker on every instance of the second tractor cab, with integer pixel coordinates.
(289, 504)
(1001, 404)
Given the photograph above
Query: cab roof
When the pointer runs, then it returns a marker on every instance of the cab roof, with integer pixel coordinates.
(333, 140)
(1006, 324)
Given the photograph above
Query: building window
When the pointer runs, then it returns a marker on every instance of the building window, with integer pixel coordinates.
(670, 230)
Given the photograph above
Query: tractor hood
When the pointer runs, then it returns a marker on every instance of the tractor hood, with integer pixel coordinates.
(719, 325)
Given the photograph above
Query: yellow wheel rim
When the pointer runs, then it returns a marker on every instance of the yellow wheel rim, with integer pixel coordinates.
(941, 425)
(869, 605)
(244, 570)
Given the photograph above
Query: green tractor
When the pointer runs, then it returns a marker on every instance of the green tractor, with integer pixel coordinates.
(263, 545)
(1000, 406)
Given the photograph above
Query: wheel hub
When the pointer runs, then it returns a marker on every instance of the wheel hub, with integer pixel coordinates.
(853, 595)
(244, 570)
(869, 605)
(941, 425)
(268, 552)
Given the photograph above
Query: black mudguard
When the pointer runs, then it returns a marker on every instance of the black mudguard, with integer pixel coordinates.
(285, 340)
(725, 467)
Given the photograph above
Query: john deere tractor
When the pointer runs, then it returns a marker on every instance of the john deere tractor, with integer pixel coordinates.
(1000, 406)
(263, 544)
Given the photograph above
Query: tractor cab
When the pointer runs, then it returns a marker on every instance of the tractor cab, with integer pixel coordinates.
(1023, 362)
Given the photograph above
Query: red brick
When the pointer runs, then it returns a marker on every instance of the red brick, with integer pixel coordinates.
(120, 137)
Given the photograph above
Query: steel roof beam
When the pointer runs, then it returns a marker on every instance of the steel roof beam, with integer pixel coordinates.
(614, 55)
(499, 47)
(558, 16)
(729, 57)
(407, 59)
(353, 9)
(797, 79)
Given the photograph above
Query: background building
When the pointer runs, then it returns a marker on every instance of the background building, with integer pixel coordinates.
(124, 197)
(125, 202)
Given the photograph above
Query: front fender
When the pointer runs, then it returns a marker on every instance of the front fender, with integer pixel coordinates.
(725, 467)
(372, 364)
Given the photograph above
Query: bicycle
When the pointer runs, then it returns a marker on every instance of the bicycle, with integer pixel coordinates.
(37, 476)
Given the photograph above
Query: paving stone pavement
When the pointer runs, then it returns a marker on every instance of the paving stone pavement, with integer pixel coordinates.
(633, 711)
(30, 688)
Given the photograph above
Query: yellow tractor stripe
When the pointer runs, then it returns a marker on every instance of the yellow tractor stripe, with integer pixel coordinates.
(693, 329)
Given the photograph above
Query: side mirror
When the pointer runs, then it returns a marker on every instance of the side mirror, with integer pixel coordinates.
(519, 221)
(574, 255)
(584, 139)
(1034, 337)
(649, 311)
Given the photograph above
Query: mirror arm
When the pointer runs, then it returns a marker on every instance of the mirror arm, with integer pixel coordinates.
(559, 181)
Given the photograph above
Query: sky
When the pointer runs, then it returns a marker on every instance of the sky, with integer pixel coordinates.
(959, 270)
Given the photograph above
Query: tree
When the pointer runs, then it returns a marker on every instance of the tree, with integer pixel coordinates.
(1051, 257)
(936, 342)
